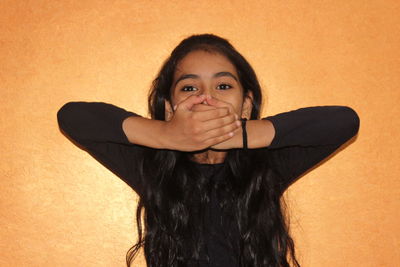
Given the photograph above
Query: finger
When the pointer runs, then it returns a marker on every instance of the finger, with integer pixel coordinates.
(221, 131)
(190, 101)
(221, 144)
(219, 139)
(202, 107)
(219, 103)
(212, 114)
(221, 122)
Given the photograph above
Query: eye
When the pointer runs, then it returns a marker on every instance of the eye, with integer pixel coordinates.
(224, 86)
(188, 88)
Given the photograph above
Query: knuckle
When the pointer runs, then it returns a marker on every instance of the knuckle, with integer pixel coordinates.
(228, 120)
(195, 129)
(221, 131)
(222, 138)
(197, 140)
(222, 121)
(223, 112)
(219, 139)
(230, 127)
(195, 116)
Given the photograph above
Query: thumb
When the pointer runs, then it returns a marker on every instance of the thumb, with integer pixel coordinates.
(192, 100)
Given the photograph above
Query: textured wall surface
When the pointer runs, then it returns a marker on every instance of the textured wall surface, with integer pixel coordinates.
(59, 207)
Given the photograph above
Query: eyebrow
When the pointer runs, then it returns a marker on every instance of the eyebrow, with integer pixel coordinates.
(216, 75)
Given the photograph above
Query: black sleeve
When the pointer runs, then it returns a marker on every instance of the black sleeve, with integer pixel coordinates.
(97, 128)
(306, 136)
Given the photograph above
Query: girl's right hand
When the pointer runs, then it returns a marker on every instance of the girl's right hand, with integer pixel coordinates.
(193, 128)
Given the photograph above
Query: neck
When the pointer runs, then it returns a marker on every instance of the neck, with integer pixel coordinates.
(210, 157)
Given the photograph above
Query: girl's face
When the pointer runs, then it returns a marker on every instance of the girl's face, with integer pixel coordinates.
(201, 72)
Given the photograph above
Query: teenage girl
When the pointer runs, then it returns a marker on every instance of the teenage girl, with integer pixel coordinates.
(209, 171)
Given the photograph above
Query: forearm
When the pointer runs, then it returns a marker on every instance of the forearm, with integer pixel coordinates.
(309, 126)
(314, 126)
(260, 133)
(145, 132)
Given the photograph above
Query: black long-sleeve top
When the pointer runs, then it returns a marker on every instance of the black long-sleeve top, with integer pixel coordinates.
(303, 138)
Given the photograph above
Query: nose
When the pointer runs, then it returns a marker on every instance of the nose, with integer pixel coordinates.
(207, 90)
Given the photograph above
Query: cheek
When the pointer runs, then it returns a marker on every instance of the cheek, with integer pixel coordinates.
(174, 100)
(177, 100)
(238, 105)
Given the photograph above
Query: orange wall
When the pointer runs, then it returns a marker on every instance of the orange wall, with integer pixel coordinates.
(59, 207)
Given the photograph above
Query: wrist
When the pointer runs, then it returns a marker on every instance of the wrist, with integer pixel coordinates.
(232, 143)
(163, 135)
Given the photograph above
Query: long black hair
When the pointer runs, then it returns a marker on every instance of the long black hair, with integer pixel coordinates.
(175, 192)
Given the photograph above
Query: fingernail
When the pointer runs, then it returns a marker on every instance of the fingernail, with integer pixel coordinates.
(238, 123)
(175, 107)
(236, 116)
(231, 134)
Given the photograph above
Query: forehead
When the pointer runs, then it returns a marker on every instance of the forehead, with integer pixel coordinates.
(204, 62)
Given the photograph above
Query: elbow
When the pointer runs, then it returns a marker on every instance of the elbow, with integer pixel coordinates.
(351, 122)
(66, 116)
(63, 114)
(354, 121)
